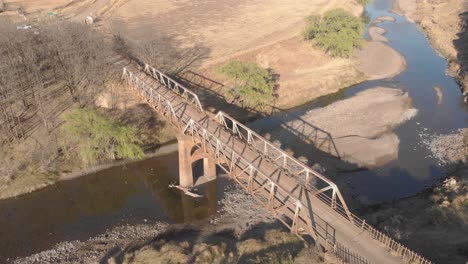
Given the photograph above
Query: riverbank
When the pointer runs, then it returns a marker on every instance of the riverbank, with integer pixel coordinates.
(444, 23)
(360, 128)
(433, 219)
(241, 230)
(437, 217)
(36, 162)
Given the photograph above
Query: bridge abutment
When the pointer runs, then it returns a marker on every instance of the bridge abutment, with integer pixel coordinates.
(189, 153)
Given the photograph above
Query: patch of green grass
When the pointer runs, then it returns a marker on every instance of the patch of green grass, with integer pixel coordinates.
(337, 32)
(253, 85)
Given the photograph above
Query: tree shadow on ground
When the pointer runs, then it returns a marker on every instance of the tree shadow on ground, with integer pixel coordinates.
(158, 49)
(210, 93)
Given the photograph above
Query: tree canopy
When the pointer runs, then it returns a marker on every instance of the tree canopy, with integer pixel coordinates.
(337, 32)
(94, 137)
(253, 85)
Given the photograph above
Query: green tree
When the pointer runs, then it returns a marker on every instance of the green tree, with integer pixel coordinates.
(94, 137)
(337, 32)
(364, 2)
(253, 85)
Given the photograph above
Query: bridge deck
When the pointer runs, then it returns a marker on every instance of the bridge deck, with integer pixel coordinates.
(318, 219)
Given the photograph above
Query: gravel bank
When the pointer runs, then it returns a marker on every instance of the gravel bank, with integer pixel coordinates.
(448, 148)
(94, 248)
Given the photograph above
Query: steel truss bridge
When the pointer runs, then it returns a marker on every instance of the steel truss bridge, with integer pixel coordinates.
(305, 201)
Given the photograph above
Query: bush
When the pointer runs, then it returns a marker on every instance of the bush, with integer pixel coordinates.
(364, 2)
(253, 85)
(96, 137)
(337, 32)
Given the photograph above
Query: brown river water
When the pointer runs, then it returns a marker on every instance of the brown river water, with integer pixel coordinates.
(86, 206)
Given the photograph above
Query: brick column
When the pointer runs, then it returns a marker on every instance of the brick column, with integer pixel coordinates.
(209, 168)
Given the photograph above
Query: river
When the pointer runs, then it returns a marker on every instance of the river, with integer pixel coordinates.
(414, 169)
(86, 206)
(138, 192)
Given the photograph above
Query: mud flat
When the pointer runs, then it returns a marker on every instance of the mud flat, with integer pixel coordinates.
(361, 126)
(384, 18)
(376, 34)
(377, 60)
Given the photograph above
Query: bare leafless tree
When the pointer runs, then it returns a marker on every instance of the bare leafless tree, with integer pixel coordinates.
(81, 57)
(60, 53)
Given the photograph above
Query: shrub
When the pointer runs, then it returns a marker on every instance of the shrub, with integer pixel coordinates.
(253, 85)
(337, 32)
(95, 137)
(364, 2)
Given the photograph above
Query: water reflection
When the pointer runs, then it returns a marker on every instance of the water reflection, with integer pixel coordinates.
(86, 206)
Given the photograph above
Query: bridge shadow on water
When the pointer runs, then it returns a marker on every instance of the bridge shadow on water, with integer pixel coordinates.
(289, 131)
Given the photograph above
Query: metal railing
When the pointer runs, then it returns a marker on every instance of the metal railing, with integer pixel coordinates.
(265, 190)
(309, 177)
(298, 169)
(174, 86)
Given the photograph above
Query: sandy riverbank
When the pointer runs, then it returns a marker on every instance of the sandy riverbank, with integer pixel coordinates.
(361, 126)
(377, 60)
